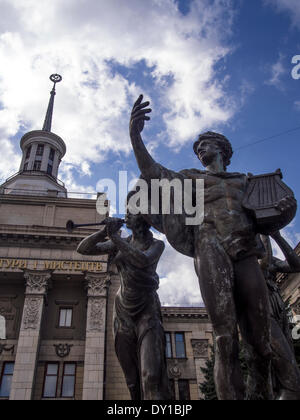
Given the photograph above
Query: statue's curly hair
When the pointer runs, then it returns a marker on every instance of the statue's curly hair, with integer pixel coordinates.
(222, 141)
(141, 218)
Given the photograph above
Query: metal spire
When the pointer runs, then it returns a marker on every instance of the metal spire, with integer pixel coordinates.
(55, 78)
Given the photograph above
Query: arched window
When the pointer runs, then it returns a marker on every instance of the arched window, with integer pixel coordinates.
(2, 328)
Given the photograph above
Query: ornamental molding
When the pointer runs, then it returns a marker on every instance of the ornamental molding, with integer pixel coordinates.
(62, 350)
(37, 283)
(174, 369)
(96, 285)
(96, 314)
(200, 348)
(31, 312)
(185, 313)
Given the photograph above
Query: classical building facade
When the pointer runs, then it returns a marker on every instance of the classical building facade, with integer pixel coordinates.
(56, 306)
(290, 288)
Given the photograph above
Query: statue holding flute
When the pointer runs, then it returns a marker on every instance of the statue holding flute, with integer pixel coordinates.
(137, 322)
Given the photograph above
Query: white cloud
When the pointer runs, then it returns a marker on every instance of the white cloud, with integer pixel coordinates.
(83, 41)
(277, 71)
(292, 7)
(297, 105)
(74, 188)
(290, 235)
(178, 281)
(10, 165)
(96, 45)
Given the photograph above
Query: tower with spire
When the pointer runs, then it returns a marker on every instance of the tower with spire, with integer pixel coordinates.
(42, 151)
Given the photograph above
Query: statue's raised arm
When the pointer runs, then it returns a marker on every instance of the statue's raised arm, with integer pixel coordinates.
(148, 167)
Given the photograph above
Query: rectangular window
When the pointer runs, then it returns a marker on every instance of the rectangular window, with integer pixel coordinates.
(50, 382)
(28, 152)
(179, 345)
(168, 345)
(68, 381)
(37, 165)
(184, 389)
(51, 154)
(65, 317)
(49, 169)
(6, 378)
(40, 150)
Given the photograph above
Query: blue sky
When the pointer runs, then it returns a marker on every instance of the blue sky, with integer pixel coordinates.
(220, 65)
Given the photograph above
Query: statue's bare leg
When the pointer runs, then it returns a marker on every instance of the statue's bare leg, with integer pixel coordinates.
(126, 350)
(253, 310)
(154, 379)
(215, 273)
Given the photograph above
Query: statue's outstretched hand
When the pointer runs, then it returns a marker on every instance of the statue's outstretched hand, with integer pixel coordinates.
(138, 115)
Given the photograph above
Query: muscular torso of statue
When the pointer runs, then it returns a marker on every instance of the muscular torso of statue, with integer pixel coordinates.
(225, 216)
(223, 202)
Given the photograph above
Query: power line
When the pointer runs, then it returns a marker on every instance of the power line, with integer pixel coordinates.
(268, 138)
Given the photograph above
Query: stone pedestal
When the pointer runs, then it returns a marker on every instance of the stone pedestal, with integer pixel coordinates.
(28, 345)
(97, 285)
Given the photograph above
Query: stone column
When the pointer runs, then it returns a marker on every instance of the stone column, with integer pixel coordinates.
(200, 350)
(56, 162)
(37, 283)
(174, 373)
(97, 285)
(45, 159)
(32, 156)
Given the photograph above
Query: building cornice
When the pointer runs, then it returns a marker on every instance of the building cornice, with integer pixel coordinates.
(46, 136)
(42, 200)
(32, 241)
(184, 312)
(43, 230)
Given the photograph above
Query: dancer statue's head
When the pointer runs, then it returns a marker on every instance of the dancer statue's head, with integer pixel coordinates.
(133, 219)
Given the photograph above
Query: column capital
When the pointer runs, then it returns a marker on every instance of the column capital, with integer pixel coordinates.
(37, 282)
(97, 284)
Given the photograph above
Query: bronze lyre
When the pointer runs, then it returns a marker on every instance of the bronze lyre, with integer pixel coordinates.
(263, 194)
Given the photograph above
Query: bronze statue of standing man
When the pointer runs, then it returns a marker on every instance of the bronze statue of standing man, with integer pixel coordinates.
(225, 253)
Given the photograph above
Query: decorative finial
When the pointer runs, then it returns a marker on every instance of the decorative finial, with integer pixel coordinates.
(55, 78)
